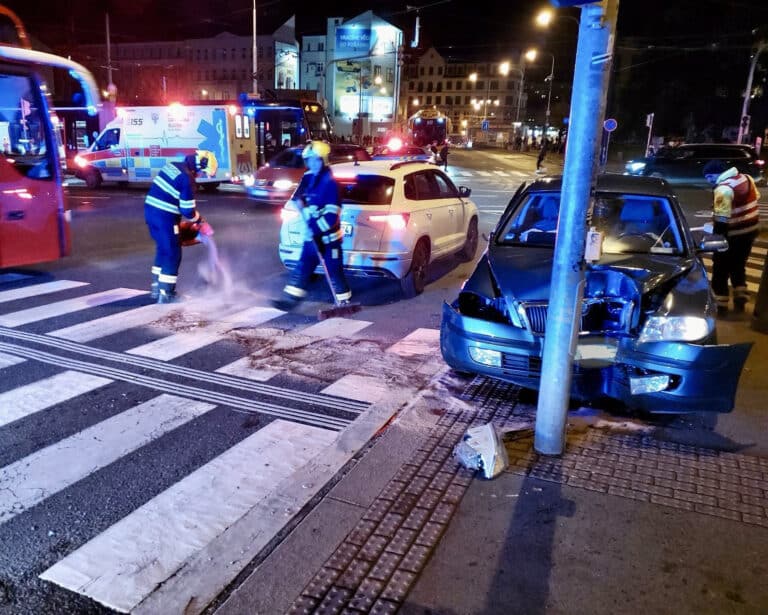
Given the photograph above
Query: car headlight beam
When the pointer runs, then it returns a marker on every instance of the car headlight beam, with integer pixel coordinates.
(675, 329)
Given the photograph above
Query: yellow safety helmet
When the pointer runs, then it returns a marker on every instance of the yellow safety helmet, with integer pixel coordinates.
(317, 148)
(206, 162)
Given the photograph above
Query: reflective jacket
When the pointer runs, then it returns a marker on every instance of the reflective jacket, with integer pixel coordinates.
(736, 202)
(173, 191)
(322, 205)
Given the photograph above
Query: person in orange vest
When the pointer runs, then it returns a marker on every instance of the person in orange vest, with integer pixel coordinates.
(735, 216)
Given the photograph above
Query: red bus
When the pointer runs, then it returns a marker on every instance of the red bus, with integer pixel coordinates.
(34, 223)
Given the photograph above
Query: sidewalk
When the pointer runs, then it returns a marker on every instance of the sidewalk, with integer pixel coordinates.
(635, 517)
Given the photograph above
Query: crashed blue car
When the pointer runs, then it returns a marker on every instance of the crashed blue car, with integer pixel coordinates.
(647, 337)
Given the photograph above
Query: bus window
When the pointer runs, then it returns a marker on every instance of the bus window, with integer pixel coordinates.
(23, 127)
(109, 138)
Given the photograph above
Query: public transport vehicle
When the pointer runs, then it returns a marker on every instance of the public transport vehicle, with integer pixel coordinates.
(428, 126)
(34, 222)
(140, 141)
(287, 122)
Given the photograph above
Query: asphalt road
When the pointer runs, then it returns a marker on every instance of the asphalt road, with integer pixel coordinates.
(86, 362)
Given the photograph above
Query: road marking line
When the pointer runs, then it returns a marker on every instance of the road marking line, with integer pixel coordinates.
(357, 386)
(214, 397)
(36, 396)
(7, 360)
(115, 323)
(336, 327)
(121, 566)
(418, 342)
(39, 289)
(59, 308)
(178, 344)
(163, 367)
(34, 478)
(484, 173)
(242, 369)
(502, 173)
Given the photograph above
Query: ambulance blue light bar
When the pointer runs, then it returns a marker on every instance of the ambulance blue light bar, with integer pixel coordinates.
(566, 3)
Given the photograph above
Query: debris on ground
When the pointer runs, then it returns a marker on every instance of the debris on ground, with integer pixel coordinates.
(482, 449)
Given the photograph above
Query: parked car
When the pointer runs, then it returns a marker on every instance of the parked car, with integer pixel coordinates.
(396, 150)
(397, 219)
(275, 182)
(683, 164)
(647, 334)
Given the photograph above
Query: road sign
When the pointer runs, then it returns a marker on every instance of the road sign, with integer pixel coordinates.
(610, 124)
(485, 125)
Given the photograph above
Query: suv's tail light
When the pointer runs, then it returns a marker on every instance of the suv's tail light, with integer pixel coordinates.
(397, 222)
(760, 163)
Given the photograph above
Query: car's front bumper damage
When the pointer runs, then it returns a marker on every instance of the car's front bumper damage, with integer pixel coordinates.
(670, 377)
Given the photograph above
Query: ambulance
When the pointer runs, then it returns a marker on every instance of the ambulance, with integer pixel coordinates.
(140, 141)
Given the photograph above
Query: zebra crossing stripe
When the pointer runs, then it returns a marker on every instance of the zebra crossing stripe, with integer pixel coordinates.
(39, 289)
(418, 342)
(178, 344)
(60, 308)
(121, 566)
(357, 386)
(178, 370)
(7, 360)
(115, 323)
(336, 327)
(30, 480)
(484, 173)
(30, 398)
(166, 386)
(502, 173)
(242, 369)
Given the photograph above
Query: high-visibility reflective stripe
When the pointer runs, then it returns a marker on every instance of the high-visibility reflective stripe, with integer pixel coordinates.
(344, 296)
(323, 225)
(337, 236)
(171, 171)
(330, 208)
(295, 291)
(156, 270)
(155, 202)
(167, 188)
(187, 204)
(167, 279)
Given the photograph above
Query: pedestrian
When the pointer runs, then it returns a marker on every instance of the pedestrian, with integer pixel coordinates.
(170, 197)
(317, 198)
(444, 155)
(542, 154)
(735, 216)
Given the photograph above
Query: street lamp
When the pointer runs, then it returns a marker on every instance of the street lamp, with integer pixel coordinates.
(744, 119)
(505, 67)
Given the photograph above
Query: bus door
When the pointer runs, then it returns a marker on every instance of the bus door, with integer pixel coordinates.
(33, 227)
(242, 146)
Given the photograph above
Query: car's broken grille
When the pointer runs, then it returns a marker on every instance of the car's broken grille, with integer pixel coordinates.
(537, 317)
(521, 364)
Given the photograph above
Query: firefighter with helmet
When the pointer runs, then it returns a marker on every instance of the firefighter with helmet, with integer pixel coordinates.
(317, 198)
(170, 198)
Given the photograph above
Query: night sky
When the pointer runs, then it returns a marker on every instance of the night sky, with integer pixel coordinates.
(680, 47)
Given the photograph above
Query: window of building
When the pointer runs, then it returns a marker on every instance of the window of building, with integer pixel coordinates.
(431, 70)
(376, 70)
(207, 75)
(243, 50)
(429, 100)
(320, 69)
(438, 100)
(321, 46)
(439, 86)
(421, 87)
(223, 54)
(466, 100)
(421, 70)
(411, 86)
(494, 85)
(449, 85)
(439, 70)
(390, 75)
(510, 85)
(510, 100)
(233, 54)
(449, 100)
(480, 85)
(198, 54)
(429, 86)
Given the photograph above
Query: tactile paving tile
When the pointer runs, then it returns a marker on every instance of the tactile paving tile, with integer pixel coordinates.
(321, 583)
(384, 567)
(398, 586)
(335, 601)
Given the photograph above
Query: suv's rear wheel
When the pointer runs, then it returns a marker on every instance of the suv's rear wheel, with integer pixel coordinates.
(470, 245)
(416, 279)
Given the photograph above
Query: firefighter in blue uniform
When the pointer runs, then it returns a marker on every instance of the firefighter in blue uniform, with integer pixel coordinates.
(170, 197)
(317, 197)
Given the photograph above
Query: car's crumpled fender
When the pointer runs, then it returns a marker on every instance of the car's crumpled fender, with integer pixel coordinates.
(707, 375)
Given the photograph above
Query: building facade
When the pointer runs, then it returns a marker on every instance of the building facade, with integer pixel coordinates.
(473, 95)
(195, 70)
(355, 67)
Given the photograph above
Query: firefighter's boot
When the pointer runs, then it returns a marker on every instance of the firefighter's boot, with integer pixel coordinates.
(154, 288)
(740, 298)
(167, 293)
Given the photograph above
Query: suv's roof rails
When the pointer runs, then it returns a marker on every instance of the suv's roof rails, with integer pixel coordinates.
(403, 163)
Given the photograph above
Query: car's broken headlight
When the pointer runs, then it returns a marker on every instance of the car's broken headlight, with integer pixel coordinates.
(675, 329)
(477, 306)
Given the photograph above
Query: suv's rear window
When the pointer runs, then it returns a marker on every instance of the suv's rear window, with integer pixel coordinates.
(348, 154)
(367, 190)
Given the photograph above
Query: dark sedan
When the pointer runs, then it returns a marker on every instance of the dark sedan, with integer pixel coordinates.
(647, 334)
(683, 164)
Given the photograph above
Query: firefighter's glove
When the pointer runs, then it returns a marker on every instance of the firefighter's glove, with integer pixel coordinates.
(206, 229)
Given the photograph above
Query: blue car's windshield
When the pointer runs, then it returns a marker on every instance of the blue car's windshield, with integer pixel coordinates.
(630, 223)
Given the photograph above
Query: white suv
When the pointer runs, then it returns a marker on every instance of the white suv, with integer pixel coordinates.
(397, 218)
